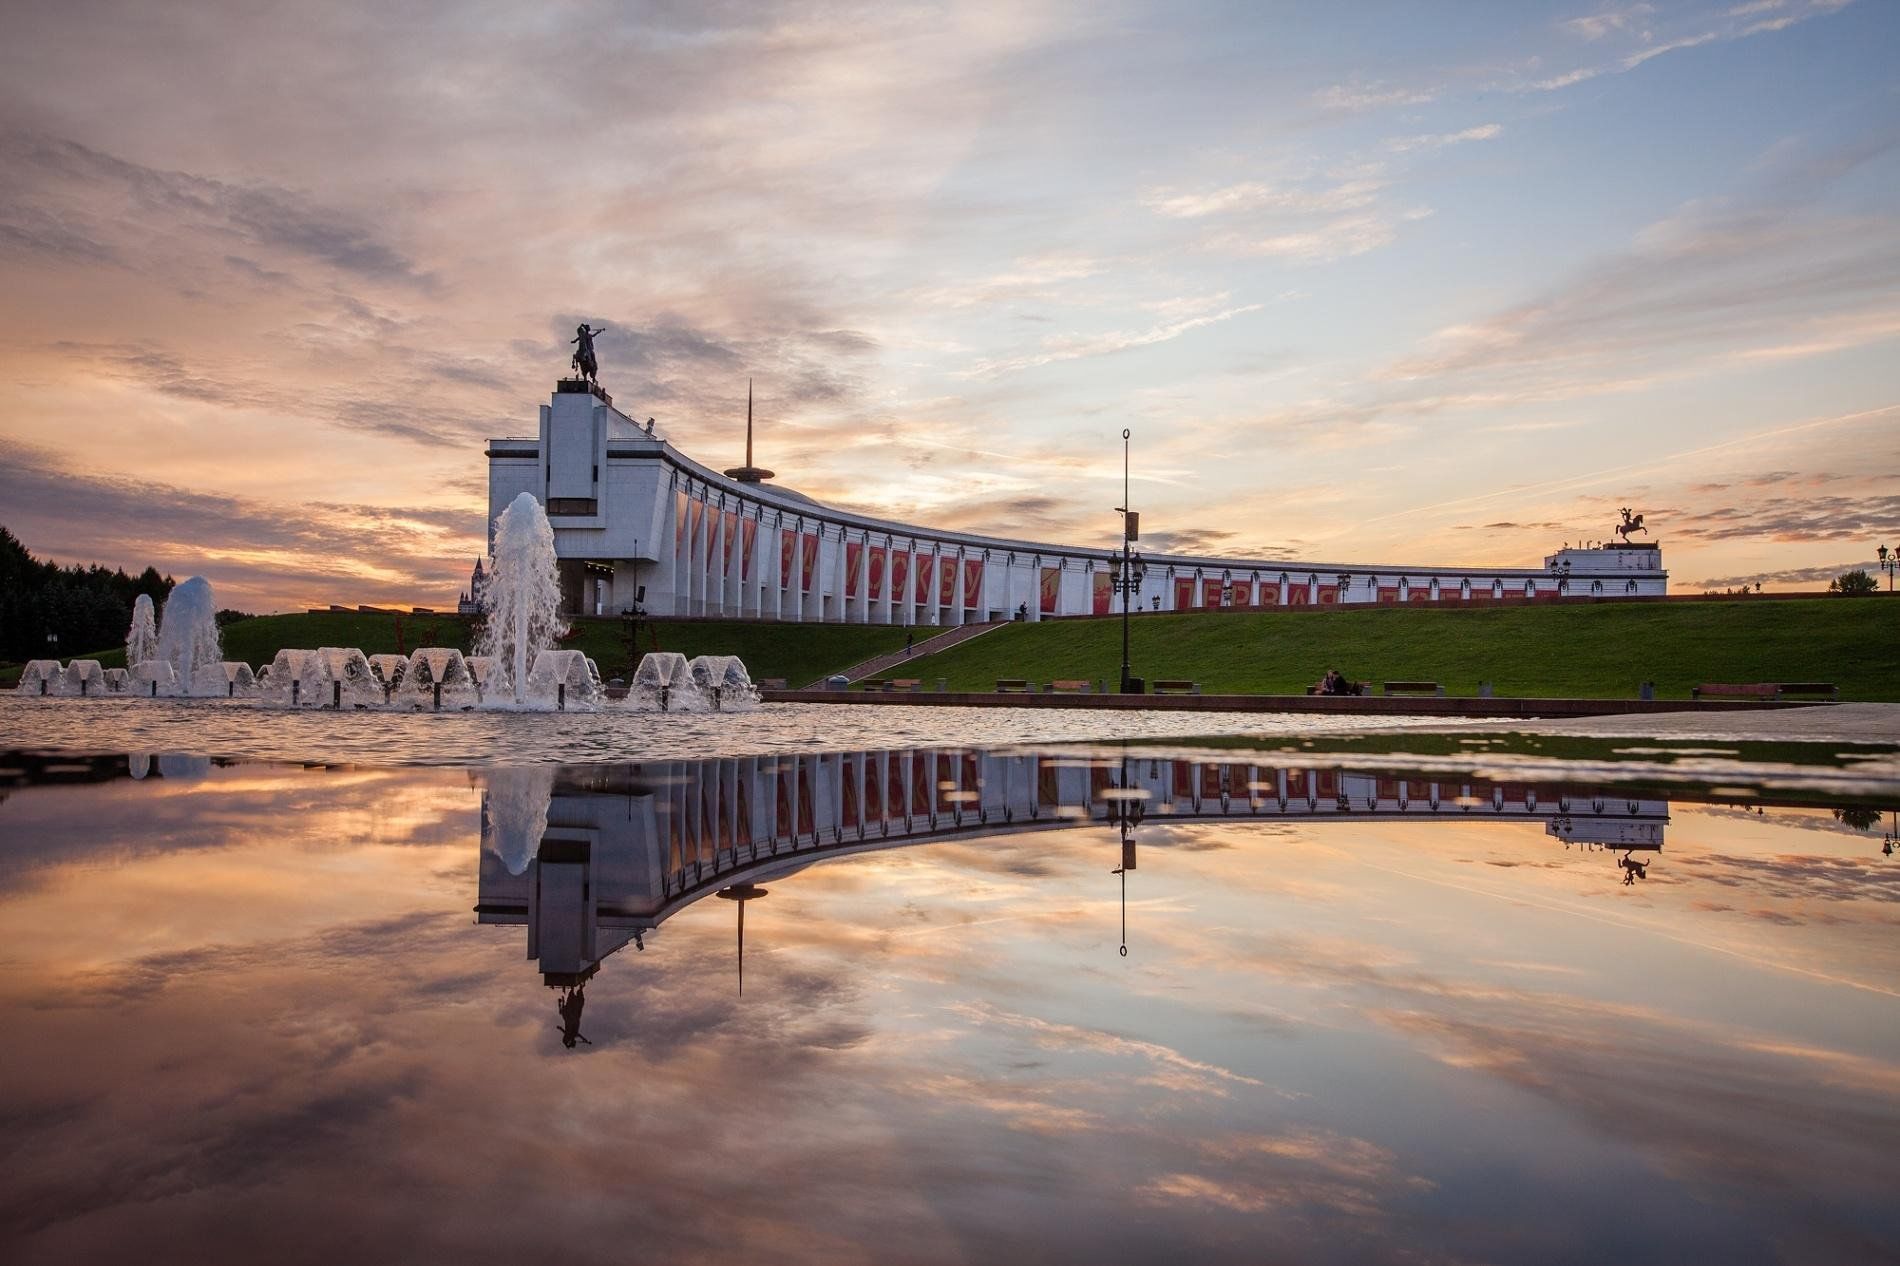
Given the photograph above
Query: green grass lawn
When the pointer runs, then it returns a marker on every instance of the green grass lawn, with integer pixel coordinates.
(1598, 651)
(800, 653)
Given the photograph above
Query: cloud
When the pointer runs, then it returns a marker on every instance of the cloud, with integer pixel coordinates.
(1483, 132)
(63, 177)
(1644, 25)
(365, 553)
(1079, 347)
(1609, 21)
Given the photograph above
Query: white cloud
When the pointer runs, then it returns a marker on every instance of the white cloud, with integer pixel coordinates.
(1076, 347)
(1483, 132)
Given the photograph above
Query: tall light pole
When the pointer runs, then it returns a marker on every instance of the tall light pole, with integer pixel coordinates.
(1889, 559)
(1129, 569)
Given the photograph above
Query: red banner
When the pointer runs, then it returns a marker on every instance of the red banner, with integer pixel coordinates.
(1328, 595)
(873, 788)
(1103, 589)
(810, 565)
(695, 509)
(1269, 594)
(1298, 593)
(1183, 594)
(926, 572)
(973, 582)
(1210, 593)
(900, 577)
(729, 531)
(853, 567)
(787, 546)
(679, 521)
(1051, 588)
(748, 533)
(877, 554)
(947, 589)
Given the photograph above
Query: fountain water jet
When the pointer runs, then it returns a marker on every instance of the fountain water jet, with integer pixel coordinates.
(141, 640)
(522, 600)
(188, 634)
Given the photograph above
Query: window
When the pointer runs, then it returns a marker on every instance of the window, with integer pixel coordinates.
(572, 506)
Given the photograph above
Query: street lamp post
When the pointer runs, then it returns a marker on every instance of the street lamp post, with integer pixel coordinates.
(1125, 811)
(1129, 570)
(1889, 560)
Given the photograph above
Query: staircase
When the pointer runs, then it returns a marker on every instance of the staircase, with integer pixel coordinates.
(877, 664)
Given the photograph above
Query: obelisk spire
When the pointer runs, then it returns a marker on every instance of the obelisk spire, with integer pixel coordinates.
(748, 473)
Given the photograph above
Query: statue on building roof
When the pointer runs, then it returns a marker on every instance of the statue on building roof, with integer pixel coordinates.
(584, 362)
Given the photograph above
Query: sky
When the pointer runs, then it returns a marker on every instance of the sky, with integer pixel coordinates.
(1380, 283)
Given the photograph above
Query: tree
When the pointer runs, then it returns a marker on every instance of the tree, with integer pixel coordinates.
(1853, 584)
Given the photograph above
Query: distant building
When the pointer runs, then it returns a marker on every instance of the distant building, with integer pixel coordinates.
(632, 514)
(470, 602)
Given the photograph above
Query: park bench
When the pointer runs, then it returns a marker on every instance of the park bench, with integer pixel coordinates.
(875, 684)
(1013, 686)
(770, 683)
(1167, 687)
(907, 683)
(1353, 688)
(1068, 687)
(1413, 688)
(1735, 690)
(1764, 689)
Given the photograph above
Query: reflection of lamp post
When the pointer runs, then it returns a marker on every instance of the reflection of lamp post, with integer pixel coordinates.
(1892, 837)
(1129, 568)
(1889, 559)
(1125, 811)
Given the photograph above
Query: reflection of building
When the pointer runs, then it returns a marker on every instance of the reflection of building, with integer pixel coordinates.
(628, 845)
(630, 510)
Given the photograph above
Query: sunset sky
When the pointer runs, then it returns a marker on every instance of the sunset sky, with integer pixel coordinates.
(1369, 282)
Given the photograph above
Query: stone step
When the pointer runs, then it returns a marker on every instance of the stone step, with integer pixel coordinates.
(876, 665)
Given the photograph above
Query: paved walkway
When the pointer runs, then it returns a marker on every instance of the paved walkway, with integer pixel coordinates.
(877, 664)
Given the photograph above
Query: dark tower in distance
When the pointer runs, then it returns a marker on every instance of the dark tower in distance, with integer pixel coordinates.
(748, 473)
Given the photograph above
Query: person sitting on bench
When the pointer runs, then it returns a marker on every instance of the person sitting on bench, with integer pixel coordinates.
(1335, 683)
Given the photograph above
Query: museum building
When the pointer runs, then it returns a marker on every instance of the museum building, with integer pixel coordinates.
(637, 521)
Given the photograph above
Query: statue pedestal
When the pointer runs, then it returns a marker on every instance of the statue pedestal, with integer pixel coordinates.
(581, 387)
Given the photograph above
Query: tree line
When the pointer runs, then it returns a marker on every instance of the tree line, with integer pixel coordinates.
(86, 608)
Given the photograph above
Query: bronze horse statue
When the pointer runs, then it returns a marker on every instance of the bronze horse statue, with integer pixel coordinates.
(1630, 523)
(584, 363)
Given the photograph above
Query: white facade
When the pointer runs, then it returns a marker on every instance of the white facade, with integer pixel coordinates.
(637, 520)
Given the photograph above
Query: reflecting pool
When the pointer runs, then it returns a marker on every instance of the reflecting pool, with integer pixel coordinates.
(943, 1003)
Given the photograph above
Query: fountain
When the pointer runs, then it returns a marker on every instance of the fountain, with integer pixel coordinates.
(518, 667)
(228, 678)
(567, 679)
(188, 634)
(389, 671)
(664, 683)
(153, 678)
(723, 682)
(522, 600)
(141, 641)
(438, 677)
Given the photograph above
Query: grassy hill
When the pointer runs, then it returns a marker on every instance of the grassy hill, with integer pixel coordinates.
(800, 653)
(1569, 651)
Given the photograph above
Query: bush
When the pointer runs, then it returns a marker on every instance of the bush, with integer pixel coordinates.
(1853, 584)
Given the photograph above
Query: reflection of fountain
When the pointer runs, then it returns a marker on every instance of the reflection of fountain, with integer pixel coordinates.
(141, 640)
(522, 599)
(188, 633)
(515, 811)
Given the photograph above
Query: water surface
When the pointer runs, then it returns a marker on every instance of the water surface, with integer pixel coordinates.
(321, 1014)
